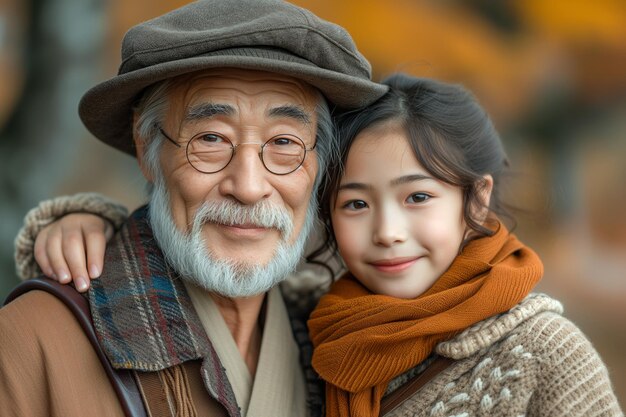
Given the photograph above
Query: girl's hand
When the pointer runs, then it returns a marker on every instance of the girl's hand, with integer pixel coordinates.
(72, 248)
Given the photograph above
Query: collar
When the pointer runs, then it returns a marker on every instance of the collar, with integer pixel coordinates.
(279, 382)
(487, 332)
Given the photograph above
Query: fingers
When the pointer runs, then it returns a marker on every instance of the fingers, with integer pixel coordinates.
(72, 248)
(95, 242)
(74, 252)
(41, 255)
(54, 251)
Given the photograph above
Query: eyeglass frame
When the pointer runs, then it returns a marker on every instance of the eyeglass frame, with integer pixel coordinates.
(234, 147)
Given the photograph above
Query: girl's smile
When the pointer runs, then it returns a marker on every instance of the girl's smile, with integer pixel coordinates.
(395, 264)
(397, 228)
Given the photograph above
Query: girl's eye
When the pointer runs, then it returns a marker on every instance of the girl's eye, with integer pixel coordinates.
(355, 205)
(418, 198)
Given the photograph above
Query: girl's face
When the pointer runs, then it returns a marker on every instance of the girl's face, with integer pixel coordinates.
(397, 228)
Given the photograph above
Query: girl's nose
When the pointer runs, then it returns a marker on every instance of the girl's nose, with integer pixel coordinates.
(389, 230)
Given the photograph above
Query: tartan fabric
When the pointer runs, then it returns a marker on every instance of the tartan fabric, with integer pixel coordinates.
(143, 316)
(145, 319)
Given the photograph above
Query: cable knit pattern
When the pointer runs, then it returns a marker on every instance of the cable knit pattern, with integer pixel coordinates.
(50, 210)
(530, 361)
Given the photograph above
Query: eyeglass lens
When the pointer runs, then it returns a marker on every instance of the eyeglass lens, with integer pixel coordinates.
(210, 152)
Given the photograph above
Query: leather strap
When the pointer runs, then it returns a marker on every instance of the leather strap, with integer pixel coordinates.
(153, 391)
(165, 400)
(122, 380)
(397, 397)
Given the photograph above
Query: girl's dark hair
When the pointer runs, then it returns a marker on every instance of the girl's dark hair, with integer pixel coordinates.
(451, 135)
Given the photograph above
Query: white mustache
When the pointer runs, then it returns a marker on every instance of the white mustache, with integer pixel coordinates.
(263, 214)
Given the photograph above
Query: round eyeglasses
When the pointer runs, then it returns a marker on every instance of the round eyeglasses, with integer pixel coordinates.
(211, 152)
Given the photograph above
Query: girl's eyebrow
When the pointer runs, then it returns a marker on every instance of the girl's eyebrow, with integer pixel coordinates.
(405, 179)
(354, 186)
(410, 178)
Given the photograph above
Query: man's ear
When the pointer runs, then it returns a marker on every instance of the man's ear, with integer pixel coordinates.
(140, 147)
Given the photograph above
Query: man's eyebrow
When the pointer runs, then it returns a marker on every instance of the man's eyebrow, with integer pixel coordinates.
(292, 112)
(208, 110)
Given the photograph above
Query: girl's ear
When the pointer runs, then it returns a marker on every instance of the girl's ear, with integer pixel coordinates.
(140, 149)
(487, 188)
(484, 194)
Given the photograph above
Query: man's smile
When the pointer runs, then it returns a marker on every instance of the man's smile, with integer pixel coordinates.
(244, 230)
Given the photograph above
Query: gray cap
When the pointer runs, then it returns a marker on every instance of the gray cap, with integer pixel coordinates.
(266, 35)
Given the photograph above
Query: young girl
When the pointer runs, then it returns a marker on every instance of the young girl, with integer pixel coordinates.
(432, 271)
(413, 211)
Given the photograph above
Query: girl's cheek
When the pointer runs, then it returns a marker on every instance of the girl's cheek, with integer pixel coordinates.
(347, 235)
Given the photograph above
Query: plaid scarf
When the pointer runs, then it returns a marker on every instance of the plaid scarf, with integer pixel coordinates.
(145, 319)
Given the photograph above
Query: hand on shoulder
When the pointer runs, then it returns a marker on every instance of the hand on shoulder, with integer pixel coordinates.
(72, 248)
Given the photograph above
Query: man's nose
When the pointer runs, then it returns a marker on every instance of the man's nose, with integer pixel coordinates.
(389, 228)
(246, 179)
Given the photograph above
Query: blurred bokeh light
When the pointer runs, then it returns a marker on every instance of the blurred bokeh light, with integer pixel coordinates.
(551, 73)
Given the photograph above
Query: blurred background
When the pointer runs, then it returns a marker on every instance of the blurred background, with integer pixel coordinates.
(551, 73)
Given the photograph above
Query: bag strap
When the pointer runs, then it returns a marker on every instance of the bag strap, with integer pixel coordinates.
(168, 392)
(412, 386)
(153, 390)
(122, 380)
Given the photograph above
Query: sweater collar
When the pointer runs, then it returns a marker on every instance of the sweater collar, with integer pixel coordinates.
(487, 332)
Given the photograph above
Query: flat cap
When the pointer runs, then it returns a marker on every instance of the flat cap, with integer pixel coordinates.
(266, 35)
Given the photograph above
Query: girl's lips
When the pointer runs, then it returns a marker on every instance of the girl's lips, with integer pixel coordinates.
(395, 264)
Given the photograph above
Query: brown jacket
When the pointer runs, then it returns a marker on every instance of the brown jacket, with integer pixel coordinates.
(145, 322)
(43, 374)
(47, 365)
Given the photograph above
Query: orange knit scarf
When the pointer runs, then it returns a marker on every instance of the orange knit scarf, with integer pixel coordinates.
(363, 340)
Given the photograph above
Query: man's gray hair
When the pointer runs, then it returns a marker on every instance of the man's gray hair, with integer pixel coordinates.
(150, 112)
(153, 105)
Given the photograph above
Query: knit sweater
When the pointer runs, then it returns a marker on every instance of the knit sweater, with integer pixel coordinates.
(530, 361)
(47, 212)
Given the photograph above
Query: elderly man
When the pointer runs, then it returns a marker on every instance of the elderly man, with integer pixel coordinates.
(225, 105)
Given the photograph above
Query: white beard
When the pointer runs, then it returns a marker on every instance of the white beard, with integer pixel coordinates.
(190, 257)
